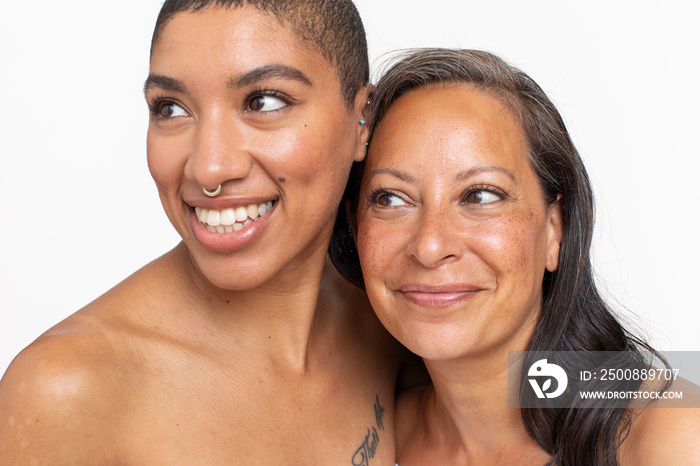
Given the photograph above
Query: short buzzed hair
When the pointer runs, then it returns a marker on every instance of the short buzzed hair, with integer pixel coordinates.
(334, 27)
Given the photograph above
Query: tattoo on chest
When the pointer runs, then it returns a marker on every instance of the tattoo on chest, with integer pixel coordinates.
(368, 448)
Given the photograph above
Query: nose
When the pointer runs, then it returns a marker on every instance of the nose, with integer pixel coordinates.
(436, 240)
(219, 153)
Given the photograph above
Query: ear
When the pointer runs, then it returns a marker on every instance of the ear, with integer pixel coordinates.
(362, 110)
(555, 234)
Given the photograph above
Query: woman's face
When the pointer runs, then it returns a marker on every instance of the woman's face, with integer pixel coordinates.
(453, 233)
(238, 100)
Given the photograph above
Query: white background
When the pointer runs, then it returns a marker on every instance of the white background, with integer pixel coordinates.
(81, 212)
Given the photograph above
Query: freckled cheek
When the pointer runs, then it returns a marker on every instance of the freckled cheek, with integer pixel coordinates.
(377, 250)
(507, 246)
(368, 249)
(380, 248)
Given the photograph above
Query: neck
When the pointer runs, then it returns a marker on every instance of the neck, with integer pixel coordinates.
(468, 408)
(279, 320)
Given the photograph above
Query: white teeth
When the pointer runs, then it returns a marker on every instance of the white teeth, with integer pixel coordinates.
(202, 215)
(228, 217)
(214, 218)
(241, 214)
(231, 219)
(252, 211)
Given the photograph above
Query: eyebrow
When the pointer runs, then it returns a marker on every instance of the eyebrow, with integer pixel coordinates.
(270, 72)
(403, 176)
(466, 174)
(258, 74)
(164, 82)
(461, 176)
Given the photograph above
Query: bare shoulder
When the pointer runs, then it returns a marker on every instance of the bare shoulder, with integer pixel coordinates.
(56, 392)
(667, 432)
(72, 386)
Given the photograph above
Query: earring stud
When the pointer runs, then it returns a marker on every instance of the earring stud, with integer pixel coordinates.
(362, 122)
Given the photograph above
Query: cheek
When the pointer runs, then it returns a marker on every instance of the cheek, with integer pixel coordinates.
(309, 164)
(512, 247)
(165, 166)
(167, 170)
(282, 149)
(369, 248)
(380, 248)
(310, 149)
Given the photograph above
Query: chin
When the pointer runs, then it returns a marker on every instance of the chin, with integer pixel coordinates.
(225, 283)
(435, 346)
(437, 353)
(234, 274)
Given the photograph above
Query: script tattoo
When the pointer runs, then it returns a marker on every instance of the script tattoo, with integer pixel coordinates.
(379, 413)
(368, 448)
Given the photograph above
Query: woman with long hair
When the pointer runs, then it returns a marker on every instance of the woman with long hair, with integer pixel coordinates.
(474, 219)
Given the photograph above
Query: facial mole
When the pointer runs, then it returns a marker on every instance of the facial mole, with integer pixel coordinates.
(282, 179)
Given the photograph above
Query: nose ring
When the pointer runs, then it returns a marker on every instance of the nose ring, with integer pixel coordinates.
(212, 193)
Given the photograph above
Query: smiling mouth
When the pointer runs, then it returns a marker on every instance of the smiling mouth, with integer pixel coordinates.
(233, 218)
(438, 296)
(438, 299)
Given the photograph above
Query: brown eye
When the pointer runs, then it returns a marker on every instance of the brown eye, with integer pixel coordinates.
(257, 103)
(474, 197)
(481, 197)
(167, 110)
(266, 103)
(385, 199)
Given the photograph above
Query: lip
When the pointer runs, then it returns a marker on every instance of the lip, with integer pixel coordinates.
(436, 296)
(229, 242)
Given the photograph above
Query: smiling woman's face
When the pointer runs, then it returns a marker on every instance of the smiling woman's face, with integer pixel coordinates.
(238, 100)
(453, 234)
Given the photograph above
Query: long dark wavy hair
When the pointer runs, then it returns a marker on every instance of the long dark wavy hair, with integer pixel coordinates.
(574, 317)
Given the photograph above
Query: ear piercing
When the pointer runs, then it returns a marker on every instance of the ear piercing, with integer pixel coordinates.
(362, 121)
(212, 193)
